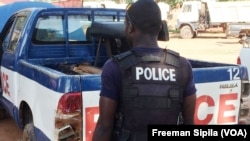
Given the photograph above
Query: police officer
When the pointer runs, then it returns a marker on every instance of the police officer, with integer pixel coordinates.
(145, 85)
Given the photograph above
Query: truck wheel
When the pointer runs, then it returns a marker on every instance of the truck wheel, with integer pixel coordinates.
(186, 32)
(29, 132)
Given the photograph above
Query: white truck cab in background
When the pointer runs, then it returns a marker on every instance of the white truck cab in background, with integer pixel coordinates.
(200, 16)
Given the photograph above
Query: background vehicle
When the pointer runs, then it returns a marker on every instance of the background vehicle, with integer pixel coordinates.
(51, 64)
(238, 30)
(200, 16)
(243, 58)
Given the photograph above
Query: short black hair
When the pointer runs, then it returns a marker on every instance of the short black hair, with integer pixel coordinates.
(145, 15)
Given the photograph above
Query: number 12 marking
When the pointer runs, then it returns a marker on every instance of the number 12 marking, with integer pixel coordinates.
(234, 73)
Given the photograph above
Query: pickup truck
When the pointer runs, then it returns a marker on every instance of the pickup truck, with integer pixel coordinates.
(243, 58)
(51, 63)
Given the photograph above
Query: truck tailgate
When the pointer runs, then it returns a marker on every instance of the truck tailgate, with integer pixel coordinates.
(219, 97)
(91, 86)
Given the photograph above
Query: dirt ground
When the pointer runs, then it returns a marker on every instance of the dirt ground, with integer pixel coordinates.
(207, 47)
(9, 130)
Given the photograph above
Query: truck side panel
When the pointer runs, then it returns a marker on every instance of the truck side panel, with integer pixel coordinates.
(37, 93)
(29, 93)
(229, 12)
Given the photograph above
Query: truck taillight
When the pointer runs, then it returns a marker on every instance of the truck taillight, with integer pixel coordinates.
(68, 121)
(244, 114)
(238, 60)
(70, 103)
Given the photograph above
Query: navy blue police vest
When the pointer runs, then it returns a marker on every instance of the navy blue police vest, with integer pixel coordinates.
(152, 92)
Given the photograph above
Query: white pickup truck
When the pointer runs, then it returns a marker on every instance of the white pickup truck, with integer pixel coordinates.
(243, 58)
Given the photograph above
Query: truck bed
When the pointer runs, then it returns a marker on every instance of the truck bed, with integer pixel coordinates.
(76, 69)
(207, 72)
(229, 12)
(206, 64)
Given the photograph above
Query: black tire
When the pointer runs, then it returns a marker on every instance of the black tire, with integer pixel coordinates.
(186, 32)
(29, 132)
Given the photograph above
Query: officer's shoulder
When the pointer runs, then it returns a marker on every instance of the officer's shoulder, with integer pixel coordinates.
(122, 55)
(173, 52)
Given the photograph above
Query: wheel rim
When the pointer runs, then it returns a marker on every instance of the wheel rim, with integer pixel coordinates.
(186, 32)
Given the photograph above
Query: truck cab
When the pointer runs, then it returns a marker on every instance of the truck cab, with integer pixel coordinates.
(189, 17)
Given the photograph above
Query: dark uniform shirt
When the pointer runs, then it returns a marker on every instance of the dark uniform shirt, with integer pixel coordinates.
(111, 76)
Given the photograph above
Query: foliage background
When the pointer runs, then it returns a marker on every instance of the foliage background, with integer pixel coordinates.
(172, 3)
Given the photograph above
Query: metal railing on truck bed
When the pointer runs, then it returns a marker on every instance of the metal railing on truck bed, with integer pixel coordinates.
(54, 40)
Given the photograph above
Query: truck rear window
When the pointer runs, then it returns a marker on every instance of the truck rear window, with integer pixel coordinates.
(61, 28)
(54, 29)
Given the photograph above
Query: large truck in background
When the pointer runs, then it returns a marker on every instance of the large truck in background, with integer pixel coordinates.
(200, 16)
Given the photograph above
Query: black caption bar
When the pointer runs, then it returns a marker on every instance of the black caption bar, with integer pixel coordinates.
(198, 132)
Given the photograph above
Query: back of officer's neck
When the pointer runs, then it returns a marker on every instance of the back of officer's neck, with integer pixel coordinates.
(145, 41)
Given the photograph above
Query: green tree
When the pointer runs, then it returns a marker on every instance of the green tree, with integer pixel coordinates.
(172, 3)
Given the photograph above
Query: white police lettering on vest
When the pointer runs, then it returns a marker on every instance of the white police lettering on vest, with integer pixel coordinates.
(157, 74)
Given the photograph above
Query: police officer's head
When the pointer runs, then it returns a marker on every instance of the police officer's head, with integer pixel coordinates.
(143, 16)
